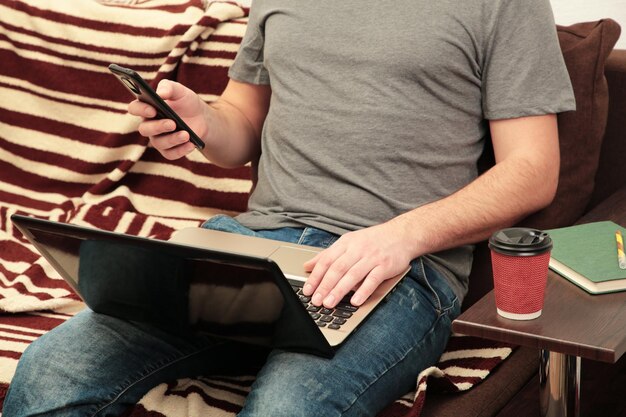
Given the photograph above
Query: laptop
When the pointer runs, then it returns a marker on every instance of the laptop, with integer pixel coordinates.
(227, 285)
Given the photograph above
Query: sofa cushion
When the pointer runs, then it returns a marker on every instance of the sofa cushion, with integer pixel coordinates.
(69, 150)
(611, 169)
(585, 48)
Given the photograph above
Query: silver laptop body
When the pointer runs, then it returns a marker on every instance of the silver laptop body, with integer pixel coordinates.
(229, 285)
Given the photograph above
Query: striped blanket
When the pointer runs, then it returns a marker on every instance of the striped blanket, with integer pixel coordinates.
(70, 152)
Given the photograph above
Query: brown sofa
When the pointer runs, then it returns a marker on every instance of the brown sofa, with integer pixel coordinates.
(592, 187)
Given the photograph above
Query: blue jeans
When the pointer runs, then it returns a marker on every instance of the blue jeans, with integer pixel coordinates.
(97, 365)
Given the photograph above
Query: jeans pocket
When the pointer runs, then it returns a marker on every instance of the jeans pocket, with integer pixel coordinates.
(316, 237)
(442, 297)
(224, 223)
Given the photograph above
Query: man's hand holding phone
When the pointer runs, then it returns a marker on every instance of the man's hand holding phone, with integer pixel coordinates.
(164, 134)
(173, 114)
(176, 118)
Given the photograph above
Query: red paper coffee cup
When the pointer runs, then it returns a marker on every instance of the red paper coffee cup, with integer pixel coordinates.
(520, 258)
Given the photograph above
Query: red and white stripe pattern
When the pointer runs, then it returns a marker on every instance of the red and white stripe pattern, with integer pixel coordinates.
(68, 149)
(70, 152)
(65, 137)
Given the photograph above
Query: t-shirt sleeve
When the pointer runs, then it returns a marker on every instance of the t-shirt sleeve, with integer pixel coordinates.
(524, 73)
(248, 65)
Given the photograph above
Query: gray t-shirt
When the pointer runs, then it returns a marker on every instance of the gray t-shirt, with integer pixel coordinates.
(380, 107)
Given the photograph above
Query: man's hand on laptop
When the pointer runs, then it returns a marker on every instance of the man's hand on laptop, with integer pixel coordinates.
(359, 260)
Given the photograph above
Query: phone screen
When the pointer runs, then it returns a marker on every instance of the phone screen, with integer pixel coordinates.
(143, 92)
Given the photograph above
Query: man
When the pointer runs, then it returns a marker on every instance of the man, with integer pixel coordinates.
(367, 120)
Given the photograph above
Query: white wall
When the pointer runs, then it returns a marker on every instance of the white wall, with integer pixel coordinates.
(567, 12)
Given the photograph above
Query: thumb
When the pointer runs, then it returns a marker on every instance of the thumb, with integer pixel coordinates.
(170, 90)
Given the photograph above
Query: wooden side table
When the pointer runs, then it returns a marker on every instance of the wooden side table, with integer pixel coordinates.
(573, 325)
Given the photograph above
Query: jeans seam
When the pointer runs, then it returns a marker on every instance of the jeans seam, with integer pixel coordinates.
(441, 310)
(303, 235)
(150, 373)
(438, 306)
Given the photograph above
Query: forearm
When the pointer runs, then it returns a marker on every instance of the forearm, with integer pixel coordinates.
(231, 140)
(234, 123)
(523, 180)
(505, 194)
(230, 128)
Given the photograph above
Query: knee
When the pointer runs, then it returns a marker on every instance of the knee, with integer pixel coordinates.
(28, 383)
(309, 397)
(47, 372)
(31, 365)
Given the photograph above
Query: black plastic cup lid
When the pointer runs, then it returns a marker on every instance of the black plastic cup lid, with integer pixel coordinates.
(520, 241)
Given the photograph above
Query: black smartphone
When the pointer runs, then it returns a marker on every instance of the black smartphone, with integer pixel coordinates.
(143, 92)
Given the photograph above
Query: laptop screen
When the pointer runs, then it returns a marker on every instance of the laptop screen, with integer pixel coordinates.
(178, 288)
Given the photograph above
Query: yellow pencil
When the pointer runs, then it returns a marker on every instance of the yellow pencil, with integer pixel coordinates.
(621, 257)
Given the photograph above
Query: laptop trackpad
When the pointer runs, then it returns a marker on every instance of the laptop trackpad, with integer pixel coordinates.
(290, 260)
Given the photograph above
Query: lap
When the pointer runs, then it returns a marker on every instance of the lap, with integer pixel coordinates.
(375, 366)
(95, 362)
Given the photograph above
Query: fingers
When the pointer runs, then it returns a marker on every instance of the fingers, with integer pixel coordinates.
(326, 277)
(152, 128)
(163, 137)
(174, 145)
(161, 132)
(368, 286)
(141, 109)
(345, 282)
(318, 267)
(339, 280)
(335, 273)
(359, 261)
(167, 90)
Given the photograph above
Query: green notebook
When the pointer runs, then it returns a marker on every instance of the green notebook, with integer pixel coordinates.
(586, 254)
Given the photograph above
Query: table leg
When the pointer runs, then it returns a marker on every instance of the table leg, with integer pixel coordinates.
(559, 379)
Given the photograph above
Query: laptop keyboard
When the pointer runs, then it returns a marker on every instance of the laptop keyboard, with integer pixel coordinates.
(332, 318)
